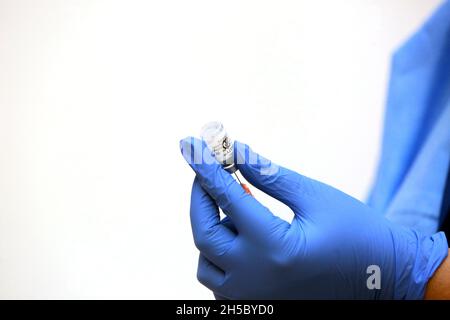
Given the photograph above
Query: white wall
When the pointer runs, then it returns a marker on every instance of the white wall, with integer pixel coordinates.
(95, 95)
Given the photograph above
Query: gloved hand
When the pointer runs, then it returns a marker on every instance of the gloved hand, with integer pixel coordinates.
(335, 246)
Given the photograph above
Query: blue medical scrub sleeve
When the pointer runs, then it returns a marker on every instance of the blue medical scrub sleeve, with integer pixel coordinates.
(415, 153)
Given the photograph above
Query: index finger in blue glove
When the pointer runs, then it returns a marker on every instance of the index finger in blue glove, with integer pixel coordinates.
(287, 186)
(211, 237)
(248, 215)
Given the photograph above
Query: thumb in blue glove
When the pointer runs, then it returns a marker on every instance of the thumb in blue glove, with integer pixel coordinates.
(328, 251)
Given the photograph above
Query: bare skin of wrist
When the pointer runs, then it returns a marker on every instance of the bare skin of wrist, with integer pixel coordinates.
(438, 288)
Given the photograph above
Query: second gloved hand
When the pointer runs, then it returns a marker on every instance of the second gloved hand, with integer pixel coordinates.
(331, 248)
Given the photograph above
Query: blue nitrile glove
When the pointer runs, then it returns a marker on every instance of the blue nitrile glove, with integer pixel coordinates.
(326, 251)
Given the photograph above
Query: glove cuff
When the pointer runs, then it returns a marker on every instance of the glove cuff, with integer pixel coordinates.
(424, 256)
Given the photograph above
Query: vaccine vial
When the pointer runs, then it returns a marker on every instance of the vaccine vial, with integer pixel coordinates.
(218, 141)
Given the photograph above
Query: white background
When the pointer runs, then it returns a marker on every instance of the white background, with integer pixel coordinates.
(95, 96)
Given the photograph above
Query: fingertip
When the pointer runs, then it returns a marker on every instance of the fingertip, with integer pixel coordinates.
(186, 142)
(244, 155)
(186, 149)
(197, 154)
(240, 146)
(250, 162)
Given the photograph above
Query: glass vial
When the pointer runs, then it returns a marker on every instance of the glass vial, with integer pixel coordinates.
(218, 141)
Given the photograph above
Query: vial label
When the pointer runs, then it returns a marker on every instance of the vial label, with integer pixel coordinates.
(218, 141)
